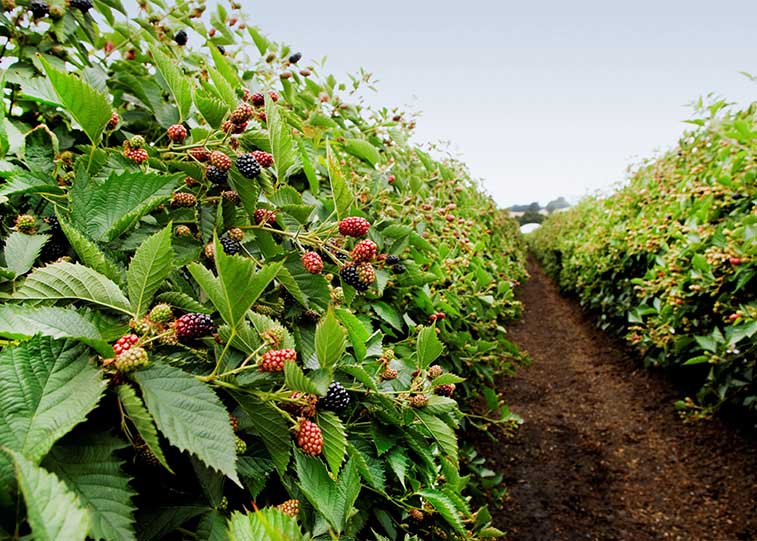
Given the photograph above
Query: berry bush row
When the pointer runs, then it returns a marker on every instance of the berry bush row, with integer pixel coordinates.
(669, 261)
(237, 302)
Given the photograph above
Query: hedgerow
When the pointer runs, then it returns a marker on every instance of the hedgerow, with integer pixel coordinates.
(237, 302)
(669, 261)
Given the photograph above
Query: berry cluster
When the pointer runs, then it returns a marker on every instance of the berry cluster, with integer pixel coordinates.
(241, 114)
(360, 276)
(200, 154)
(265, 159)
(365, 250)
(312, 262)
(230, 246)
(354, 226)
(220, 160)
(273, 361)
(124, 343)
(193, 326)
(337, 398)
(309, 438)
(131, 360)
(216, 175)
(248, 166)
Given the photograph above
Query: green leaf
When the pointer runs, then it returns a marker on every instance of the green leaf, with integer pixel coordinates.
(237, 287)
(90, 469)
(210, 107)
(326, 495)
(356, 331)
(72, 281)
(296, 380)
(268, 524)
(441, 432)
(89, 253)
(183, 301)
(285, 154)
(177, 82)
(19, 322)
(388, 314)
(21, 250)
(190, 415)
(334, 439)
(330, 342)
(271, 427)
(307, 167)
(369, 468)
(429, 346)
(340, 190)
(291, 285)
(54, 512)
(29, 182)
(150, 266)
(224, 89)
(106, 210)
(90, 108)
(140, 418)
(225, 68)
(363, 150)
(260, 41)
(445, 507)
(399, 462)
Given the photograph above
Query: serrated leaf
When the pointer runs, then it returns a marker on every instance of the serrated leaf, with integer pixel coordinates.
(225, 68)
(91, 470)
(441, 432)
(107, 209)
(47, 387)
(321, 490)
(142, 421)
(183, 301)
(446, 379)
(90, 108)
(334, 439)
(288, 281)
(63, 280)
(356, 331)
(363, 150)
(285, 154)
(444, 507)
(271, 427)
(429, 346)
(190, 415)
(369, 468)
(296, 379)
(399, 462)
(23, 182)
(213, 527)
(155, 523)
(330, 342)
(210, 107)
(151, 264)
(53, 511)
(89, 253)
(307, 167)
(237, 286)
(340, 190)
(268, 524)
(260, 41)
(22, 250)
(438, 405)
(177, 83)
(224, 89)
(19, 322)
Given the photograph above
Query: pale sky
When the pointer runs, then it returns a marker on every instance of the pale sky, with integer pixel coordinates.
(539, 98)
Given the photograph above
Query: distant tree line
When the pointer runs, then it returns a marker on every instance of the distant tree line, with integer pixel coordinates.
(532, 212)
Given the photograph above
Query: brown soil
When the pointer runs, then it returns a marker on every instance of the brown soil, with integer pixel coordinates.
(602, 454)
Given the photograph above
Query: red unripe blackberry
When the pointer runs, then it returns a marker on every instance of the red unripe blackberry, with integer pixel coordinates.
(312, 262)
(138, 155)
(124, 343)
(273, 95)
(445, 390)
(176, 133)
(264, 216)
(734, 260)
(114, 120)
(265, 159)
(309, 438)
(234, 422)
(257, 99)
(365, 250)
(216, 175)
(199, 154)
(354, 226)
(230, 127)
(230, 246)
(262, 117)
(248, 166)
(242, 113)
(390, 179)
(230, 195)
(273, 361)
(246, 95)
(289, 507)
(416, 514)
(220, 160)
(418, 400)
(183, 199)
(131, 359)
(161, 313)
(193, 326)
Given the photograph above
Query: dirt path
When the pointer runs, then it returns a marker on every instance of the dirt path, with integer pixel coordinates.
(602, 454)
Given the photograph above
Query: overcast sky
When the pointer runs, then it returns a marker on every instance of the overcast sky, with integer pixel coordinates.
(540, 98)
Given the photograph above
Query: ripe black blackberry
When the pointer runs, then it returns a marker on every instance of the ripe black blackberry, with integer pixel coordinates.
(295, 58)
(193, 326)
(350, 276)
(221, 49)
(230, 246)
(55, 248)
(39, 8)
(337, 398)
(399, 268)
(392, 260)
(248, 166)
(216, 175)
(82, 5)
(54, 224)
(181, 37)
